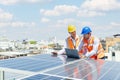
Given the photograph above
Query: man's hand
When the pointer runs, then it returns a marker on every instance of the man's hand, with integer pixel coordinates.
(82, 56)
(54, 53)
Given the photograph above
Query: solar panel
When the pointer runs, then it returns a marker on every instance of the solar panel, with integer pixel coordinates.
(110, 71)
(89, 70)
(74, 70)
(42, 77)
(47, 67)
(35, 63)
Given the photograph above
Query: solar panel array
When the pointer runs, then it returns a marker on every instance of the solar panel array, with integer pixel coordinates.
(89, 70)
(35, 63)
(47, 67)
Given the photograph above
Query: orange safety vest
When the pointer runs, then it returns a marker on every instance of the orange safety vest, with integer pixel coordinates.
(88, 44)
(70, 43)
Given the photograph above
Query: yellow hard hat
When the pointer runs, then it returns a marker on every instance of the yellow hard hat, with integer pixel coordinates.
(71, 28)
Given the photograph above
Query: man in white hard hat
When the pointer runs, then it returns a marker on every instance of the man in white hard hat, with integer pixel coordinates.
(72, 41)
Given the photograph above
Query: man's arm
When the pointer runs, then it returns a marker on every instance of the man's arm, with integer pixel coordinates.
(63, 49)
(95, 48)
(79, 49)
(80, 45)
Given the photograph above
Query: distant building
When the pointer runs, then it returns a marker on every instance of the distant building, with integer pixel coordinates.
(103, 42)
(6, 44)
(112, 41)
(52, 39)
(116, 35)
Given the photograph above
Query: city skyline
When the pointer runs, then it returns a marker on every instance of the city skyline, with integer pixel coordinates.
(41, 19)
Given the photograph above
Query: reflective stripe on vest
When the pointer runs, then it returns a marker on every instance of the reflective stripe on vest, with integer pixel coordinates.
(89, 46)
(70, 43)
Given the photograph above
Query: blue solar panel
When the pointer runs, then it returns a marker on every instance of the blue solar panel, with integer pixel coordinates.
(42, 77)
(35, 63)
(89, 70)
(110, 72)
(52, 68)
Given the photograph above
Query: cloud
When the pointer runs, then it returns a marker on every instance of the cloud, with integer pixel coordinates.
(87, 13)
(60, 23)
(101, 5)
(6, 20)
(17, 24)
(89, 8)
(106, 30)
(115, 24)
(8, 2)
(92, 8)
(72, 21)
(22, 24)
(37, 1)
(65, 22)
(5, 15)
(11, 2)
(45, 20)
(60, 10)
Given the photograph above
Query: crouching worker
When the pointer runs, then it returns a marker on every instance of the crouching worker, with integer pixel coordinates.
(72, 41)
(90, 46)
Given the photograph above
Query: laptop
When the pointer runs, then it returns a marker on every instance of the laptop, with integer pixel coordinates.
(72, 53)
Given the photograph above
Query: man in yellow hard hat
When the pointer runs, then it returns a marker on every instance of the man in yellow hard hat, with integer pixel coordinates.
(72, 41)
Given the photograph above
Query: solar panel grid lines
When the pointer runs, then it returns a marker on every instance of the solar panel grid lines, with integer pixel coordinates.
(60, 66)
(42, 67)
(47, 59)
(62, 70)
(55, 62)
(117, 77)
(44, 56)
(52, 68)
(31, 77)
(35, 77)
(51, 58)
(16, 71)
(96, 64)
(51, 77)
(112, 74)
(44, 59)
(47, 77)
(26, 63)
(94, 71)
(6, 60)
(10, 76)
(42, 77)
(20, 63)
(11, 62)
(32, 66)
(35, 73)
(64, 77)
(92, 66)
(78, 72)
(72, 67)
(106, 71)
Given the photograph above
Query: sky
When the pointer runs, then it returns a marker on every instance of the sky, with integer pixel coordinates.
(42, 19)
